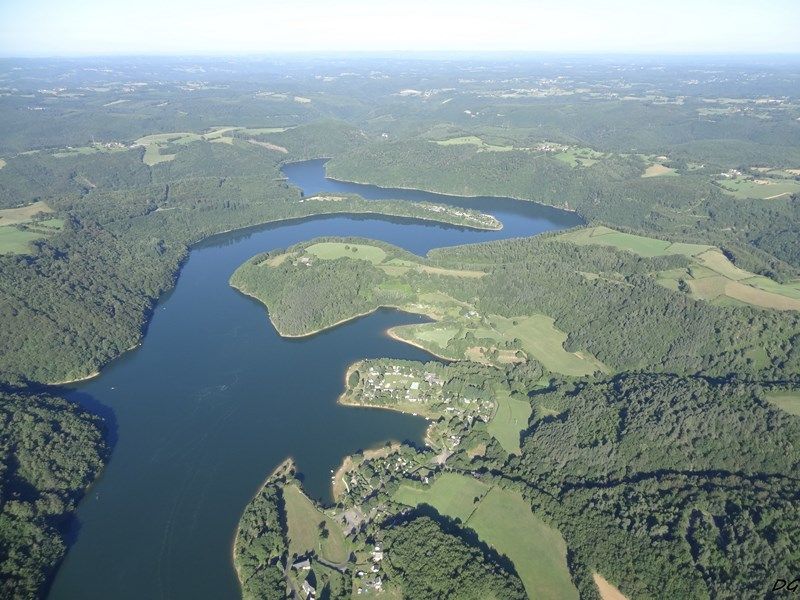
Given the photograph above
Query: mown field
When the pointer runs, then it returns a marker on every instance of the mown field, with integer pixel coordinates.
(18, 227)
(303, 521)
(761, 188)
(502, 519)
(509, 420)
(711, 276)
(788, 401)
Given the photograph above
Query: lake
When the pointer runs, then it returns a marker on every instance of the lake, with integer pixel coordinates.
(214, 399)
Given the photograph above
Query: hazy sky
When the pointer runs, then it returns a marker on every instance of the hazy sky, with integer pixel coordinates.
(56, 27)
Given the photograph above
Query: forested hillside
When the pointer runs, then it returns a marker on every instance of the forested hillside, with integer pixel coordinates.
(49, 452)
(601, 298)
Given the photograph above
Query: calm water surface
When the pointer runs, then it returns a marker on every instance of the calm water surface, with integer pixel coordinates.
(214, 399)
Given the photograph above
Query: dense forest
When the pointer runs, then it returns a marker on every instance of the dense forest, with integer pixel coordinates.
(50, 451)
(693, 484)
(431, 562)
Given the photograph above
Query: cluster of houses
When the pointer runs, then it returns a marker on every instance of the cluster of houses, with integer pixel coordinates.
(477, 217)
(403, 384)
(371, 580)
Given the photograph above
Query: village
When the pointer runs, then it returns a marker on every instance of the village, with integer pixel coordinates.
(419, 391)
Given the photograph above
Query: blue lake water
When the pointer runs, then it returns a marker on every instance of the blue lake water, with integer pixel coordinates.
(214, 399)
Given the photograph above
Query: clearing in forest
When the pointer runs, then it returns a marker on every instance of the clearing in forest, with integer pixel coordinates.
(305, 534)
(334, 250)
(658, 170)
(510, 419)
(711, 276)
(18, 227)
(473, 140)
(545, 342)
(606, 590)
(504, 520)
(788, 401)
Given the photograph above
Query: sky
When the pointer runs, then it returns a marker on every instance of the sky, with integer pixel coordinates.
(219, 27)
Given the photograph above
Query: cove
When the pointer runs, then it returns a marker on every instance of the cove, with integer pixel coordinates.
(214, 399)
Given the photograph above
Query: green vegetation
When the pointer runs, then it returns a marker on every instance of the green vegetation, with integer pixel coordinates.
(502, 519)
(432, 562)
(50, 451)
(303, 520)
(711, 275)
(281, 527)
(22, 225)
(788, 401)
(534, 302)
(663, 449)
(665, 491)
(510, 418)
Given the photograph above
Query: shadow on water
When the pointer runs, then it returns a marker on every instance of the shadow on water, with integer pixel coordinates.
(214, 398)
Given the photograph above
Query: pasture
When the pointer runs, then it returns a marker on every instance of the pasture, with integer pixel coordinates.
(18, 229)
(473, 140)
(504, 520)
(334, 250)
(510, 419)
(303, 519)
(23, 214)
(545, 342)
(16, 241)
(579, 157)
(658, 170)
(711, 277)
(788, 401)
(761, 188)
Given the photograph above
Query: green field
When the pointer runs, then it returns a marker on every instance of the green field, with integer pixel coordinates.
(502, 519)
(643, 246)
(303, 519)
(712, 276)
(788, 401)
(545, 342)
(473, 140)
(16, 241)
(334, 250)
(451, 494)
(657, 170)
(762, 188)
(17, 228)
(579, 157)
(434, 334)
(510, 419)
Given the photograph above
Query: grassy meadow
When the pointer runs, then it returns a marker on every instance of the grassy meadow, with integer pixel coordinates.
(303, 520)
(711, 276)
(18, 227)
(503, 519)
(788, 401)
(510, 419)
(761, 188)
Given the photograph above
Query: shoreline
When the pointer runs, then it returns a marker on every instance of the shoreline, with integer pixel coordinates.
(449, 194)
(392, 334)
(98, 370)
(287, 463)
